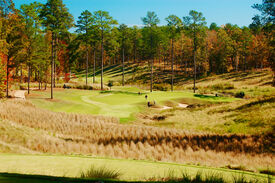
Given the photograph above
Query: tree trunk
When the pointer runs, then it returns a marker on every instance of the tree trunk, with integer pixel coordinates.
(55, 58)
(245, 63)
(54, 72)
(87, 60)
(194, 89)
(39, 80)
(123, 67)
(151, 84)
(135, 52)
(7, 92)
(236, 59)
(94, 67)
(46, 81)
(172, 66)
(21, 74)
(102, 60)
(195, 46)
(29, 75)
(52, 69)
(152, 62)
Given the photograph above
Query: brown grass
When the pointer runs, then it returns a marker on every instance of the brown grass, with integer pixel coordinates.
(38, 130)
(247, 116)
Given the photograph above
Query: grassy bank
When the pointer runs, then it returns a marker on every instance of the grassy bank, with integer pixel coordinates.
(71, 166)
(27, 128)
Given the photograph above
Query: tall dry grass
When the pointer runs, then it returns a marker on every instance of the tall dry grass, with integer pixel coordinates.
(51, 132)
(100, 173)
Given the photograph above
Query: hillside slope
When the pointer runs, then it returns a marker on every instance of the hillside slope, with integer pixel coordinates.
(29, 129)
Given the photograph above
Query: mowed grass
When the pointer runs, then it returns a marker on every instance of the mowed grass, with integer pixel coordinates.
(123, 103)
(130, 170)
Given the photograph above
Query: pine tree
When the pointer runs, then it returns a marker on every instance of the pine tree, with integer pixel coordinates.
(84, 25)
(104, 23)
(57, 19)
(151, 21)
(174, 25)
(195, 22)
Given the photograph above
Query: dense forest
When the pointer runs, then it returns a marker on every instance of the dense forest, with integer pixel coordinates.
(37, 43)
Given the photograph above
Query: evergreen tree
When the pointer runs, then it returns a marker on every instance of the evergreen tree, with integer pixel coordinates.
(57, 19)
(104, 23)
(124, 37)
(151, 21)
(31, 30)
(195, 22)
(84, 25)
(174, 24)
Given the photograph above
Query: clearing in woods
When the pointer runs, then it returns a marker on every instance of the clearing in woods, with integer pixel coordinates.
(121, 103)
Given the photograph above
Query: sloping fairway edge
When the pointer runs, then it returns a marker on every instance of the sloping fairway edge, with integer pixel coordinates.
(131, 170)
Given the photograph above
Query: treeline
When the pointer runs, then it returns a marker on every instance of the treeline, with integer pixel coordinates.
(36, 39)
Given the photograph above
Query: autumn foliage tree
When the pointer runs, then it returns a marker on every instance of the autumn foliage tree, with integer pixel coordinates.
(189, 51)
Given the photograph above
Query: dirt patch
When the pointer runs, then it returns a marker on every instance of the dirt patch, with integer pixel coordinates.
(53, 100)
(169, 104)
(48, 90)
(192, 101)
(33, 95)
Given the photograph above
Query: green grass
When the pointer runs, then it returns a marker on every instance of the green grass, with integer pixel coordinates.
(121, 102)
(131, 170)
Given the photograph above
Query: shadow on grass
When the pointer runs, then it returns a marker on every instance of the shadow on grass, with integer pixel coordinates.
(258, 102)
(22, 178)
(121, 92)
(207, 97)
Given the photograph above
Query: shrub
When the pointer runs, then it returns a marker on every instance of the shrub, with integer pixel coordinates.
(267, 171)
(204, 90)
(240, 94)
(223, 86)
(110, 84)
(160, 87)
(101, 173)
(87, 87)
(185, 177)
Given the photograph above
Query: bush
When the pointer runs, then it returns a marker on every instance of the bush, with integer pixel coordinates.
(223, 86)
(160, 87)
(268, 171)
(110, 84)
(204, 90)
(240, 94)
(185, 177)
(100, 173)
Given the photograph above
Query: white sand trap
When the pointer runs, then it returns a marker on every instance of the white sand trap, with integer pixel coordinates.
(165, 107)
(20, 94)
(183, 105)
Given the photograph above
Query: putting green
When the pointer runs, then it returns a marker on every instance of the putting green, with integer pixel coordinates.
(123, 103)
(71, 166)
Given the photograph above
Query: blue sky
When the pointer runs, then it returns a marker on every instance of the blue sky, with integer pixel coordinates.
(130, 11)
